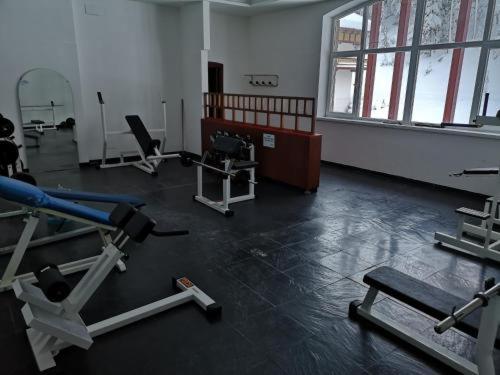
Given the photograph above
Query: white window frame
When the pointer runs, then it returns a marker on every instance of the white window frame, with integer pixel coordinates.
(414, 49)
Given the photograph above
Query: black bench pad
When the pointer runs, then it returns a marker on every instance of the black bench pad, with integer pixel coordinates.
(424, 297)
(244, 164)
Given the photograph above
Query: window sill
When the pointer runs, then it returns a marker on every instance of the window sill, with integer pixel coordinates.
(491, 132)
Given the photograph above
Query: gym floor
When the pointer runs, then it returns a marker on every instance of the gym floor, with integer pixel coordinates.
(284, 268)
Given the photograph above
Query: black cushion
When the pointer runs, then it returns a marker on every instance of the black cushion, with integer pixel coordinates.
(140, 132)
(424, 297)
(228, 145)
(245, 164)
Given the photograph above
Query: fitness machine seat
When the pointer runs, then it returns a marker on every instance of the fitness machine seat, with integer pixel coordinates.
(423, 297)
(37, 122)
(142, 135)
(244, 164)
(230, 146)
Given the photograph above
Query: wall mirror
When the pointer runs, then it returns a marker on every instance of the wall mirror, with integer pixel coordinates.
(48, 120)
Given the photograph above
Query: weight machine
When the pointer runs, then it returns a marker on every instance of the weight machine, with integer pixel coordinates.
(232, 157)
(151, 152)
(488, 244)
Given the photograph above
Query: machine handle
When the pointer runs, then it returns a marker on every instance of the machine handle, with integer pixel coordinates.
(480, 299)
(170, 233)
(99, 96)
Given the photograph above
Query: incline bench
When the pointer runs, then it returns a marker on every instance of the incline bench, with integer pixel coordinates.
(480, 323)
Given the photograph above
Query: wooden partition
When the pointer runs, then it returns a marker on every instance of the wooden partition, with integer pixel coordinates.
(282, 129)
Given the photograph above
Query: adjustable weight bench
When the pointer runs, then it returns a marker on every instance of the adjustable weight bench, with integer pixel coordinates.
(479, 318)
(59, 203)
(52, 310)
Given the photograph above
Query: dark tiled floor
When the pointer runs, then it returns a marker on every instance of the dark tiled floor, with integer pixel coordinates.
(285, 269)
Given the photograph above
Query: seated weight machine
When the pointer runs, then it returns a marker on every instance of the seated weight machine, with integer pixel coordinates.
(478, 318)
(52, 310)
(232, 157)
(150, 151)
(487, 245)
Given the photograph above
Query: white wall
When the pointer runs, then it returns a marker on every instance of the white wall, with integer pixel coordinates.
(230, 45)
(35, 34)
(195, 43)
(288, 43)
(130, 52)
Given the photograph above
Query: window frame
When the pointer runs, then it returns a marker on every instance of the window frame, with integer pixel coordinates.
(414, 49)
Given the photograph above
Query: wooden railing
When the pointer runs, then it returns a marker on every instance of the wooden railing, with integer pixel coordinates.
(284, 112)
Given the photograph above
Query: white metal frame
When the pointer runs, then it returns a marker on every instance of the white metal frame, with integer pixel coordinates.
(55, 326)
(223, 205)
(483, 364)
(9, 274)
(414, 49)
(47, 239)
(488, 246)
(148, 164)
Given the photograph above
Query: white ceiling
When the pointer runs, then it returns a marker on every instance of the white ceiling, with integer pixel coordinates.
(241, 7)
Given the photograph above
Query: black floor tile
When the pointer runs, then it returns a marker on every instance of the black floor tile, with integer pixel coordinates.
(272, 330)
(344, 263)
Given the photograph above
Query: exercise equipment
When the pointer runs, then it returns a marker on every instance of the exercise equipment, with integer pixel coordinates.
(55, 203)
(230, 157)
(57, 325)
(486, 240)
(9, 150)
(478, 318)
(151, 152)
(287, 146)
(37, 125)
(6, 127)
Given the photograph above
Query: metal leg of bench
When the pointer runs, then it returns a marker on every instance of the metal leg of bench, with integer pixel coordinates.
(50, 239)
(226, 192)
(460, 227)
(420, 342)
(18, 254)
(369, 298)
(4, 215)
(480, 231)
(490, 319)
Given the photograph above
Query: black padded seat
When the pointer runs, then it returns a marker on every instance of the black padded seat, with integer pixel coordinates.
(37, 122)
(142, 135)
(228, 145)
(244, 164)
(424, 297)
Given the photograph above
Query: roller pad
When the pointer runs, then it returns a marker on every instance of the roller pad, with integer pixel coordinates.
(139, 227)
(122, 214)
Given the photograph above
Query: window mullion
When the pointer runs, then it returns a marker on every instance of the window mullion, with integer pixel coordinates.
(414, 56)
(359, 66)
(483, 61)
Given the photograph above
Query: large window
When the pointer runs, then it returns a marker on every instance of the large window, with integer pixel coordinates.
(409, 61)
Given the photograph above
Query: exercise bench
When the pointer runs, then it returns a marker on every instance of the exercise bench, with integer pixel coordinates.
(58, 203)
(151, 152)
(479, 318)
(52, 311)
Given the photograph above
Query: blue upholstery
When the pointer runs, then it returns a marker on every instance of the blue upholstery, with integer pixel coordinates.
(29, 195)
(78, 210)
(93, 197)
